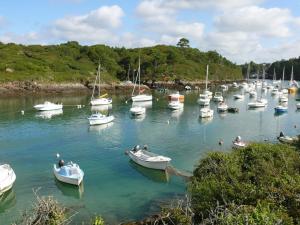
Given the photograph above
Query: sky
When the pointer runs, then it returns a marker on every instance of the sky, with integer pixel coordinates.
(240, 30)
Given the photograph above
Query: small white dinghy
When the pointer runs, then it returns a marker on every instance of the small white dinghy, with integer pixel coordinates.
(47, 106)
(298, 105)
(7, 178)
(148, 159)
(218, 97)
(98, 119)
(238, 143)
(69, 173)
(137, 110)
(203, 100)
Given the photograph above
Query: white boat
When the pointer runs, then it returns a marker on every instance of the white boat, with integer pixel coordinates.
(284, 91)
(281, 109)
(235, 85)
(258, 104)
(287, 139)
(99, 118)
(238, 143)
(222, 107)
(208, 93)
(146, 104)
(224, 87)
(275, 82)
(140, 97)
(7, 178)
(298, 105)
(283, 98)
(238, 96)
(203, 100)
(137, 110)
(148, 159)
(253, 94)
(48, 106)
(206, 112)
(218, 97)
(175, 105)
(275, 91)
(69, 173)
(100, 99)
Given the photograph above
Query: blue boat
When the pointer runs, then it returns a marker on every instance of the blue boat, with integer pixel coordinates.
(281, 109)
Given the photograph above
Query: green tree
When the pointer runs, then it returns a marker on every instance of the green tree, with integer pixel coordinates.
(183, 43)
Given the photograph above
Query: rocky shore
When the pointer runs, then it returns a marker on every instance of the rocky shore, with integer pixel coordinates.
(16, 88)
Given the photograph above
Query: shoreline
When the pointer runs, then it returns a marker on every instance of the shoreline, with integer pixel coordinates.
(20, 88)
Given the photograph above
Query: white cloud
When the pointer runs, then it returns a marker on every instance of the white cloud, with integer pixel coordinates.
(273, 22)
(160, 19)
(97, 26)
(27, 38)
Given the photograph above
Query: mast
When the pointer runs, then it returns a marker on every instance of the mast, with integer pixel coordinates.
(99, 68)
(139, 71)
(128, 72)
(274, 75)
(283, 71)
(206, 80)
(292, 74)
(248, 73)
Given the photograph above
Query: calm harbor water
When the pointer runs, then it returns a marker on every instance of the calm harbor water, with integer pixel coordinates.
(114, 187)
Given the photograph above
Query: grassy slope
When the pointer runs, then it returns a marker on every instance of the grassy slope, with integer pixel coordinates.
(72, 62)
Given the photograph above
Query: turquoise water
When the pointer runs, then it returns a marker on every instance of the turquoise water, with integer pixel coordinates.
(114, 187)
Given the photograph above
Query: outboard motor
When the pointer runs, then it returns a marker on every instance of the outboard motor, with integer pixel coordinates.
(61, 163)
(145, 147)
(281, 134)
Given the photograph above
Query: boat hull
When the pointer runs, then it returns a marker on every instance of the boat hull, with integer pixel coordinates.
(69, 180)
(101, 101)
(101, 121)
(43, 107)
(7, 179)
(141, 98)
(151, 165)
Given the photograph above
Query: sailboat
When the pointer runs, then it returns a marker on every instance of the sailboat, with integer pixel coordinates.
(100, 99)
(293, 84)
(204, 98)
(140, 97)
(275, 90)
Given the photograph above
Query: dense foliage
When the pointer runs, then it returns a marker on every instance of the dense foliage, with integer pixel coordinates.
(73, 62)
(260, 184)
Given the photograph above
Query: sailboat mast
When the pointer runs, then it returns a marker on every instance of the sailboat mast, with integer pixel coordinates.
(206, 80)
(139, 70)
(248, 72)
(99, 68)
(128, 72)
(283, 71)
(274, 75)
(292, 74)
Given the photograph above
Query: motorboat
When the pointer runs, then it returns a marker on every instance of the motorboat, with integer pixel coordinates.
(175, 105)
(222, 107)
(99, 99)
(137, 110)
(257, 104)
(287, 139)
(238, 143)
(69, 173)
(281, 109)
(203, 100)
(176, 97)
(140, 97)
(298, 105)
(218, 97)
(48, 106)
(99, 118)
(148, 159)
(206, 112)
(239, 96)
(7, 178)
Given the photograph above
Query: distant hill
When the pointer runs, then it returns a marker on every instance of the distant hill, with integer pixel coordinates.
(73, 62)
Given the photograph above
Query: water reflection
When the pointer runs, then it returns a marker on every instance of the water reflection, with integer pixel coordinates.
(147, 104)
(7, 200)
(101, 108)
(99, 128)
(154, 175)
(176, 113)
(138, 118)
(49, 114)
(205, 120)
(70, 190)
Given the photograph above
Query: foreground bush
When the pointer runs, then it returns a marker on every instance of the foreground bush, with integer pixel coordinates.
(266, 173)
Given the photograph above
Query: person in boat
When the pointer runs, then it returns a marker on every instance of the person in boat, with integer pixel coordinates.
(238, 139)
(281, 134)
(61, 163)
